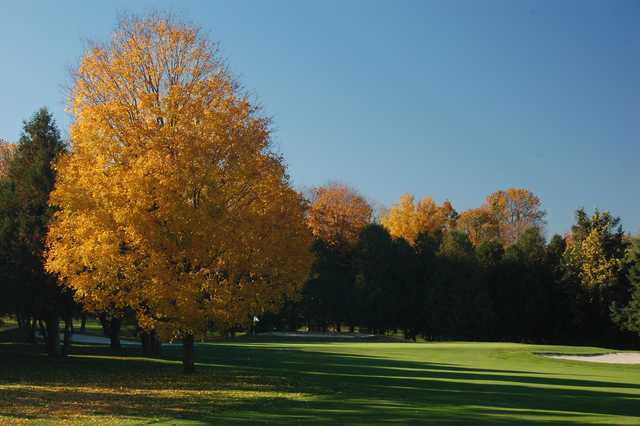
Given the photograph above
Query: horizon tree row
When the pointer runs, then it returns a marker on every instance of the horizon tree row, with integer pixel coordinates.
(486, 273)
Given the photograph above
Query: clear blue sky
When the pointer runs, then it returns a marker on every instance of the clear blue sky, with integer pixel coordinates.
(449, 99)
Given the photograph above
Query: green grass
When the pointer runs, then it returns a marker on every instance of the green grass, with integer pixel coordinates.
(284, 382)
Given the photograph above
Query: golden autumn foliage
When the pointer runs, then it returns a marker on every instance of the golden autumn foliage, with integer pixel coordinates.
(478, 224)
(596, 267)
(6, 152)
(172, 202)
(407, 220)
(337, 213)
(595, 249)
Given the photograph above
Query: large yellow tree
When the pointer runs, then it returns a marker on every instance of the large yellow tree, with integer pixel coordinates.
(172, 201)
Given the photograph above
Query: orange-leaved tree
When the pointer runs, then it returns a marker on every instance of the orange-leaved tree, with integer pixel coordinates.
(514, 211)
(337, 214)
(479, 225)
(172, 201)
(504, 217)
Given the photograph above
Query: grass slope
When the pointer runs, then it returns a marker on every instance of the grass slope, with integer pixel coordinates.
(283, 382)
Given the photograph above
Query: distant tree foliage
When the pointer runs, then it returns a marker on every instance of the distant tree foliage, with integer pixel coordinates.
(479, 225)
(514, 211)
(337, 214)
(446, 286)
(596, 249)
(504, 216)
(628, 314)
(595, 275)
(408, 219)
(6, 152)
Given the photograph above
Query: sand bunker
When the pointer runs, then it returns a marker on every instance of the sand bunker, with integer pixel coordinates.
(613, 358)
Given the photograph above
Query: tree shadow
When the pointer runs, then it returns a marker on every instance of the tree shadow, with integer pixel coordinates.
(285, 384)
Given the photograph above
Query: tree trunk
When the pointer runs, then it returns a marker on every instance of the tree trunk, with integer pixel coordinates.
(66, 345)
(114, 333)
(352, 328)
(21, 320)
(156, 345)
(187, 354)
(145, 340)
(106, 325)
(43, 329)
(151, 345)
(83, 322)
(53, 336)
(31, 330)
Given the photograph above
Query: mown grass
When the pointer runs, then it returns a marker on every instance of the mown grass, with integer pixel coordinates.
(285, 382)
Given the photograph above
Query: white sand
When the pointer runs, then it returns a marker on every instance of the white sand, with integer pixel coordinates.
(613, 358)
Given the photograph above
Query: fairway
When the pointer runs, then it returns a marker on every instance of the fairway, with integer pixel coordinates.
(285, 382)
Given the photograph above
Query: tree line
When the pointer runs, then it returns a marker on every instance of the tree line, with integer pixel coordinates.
(168, 207)
(484, 274)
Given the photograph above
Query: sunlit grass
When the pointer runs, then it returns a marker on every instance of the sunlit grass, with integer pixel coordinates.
(281, 382)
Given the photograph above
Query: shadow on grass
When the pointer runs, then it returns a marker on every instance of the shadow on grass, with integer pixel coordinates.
(281, 385)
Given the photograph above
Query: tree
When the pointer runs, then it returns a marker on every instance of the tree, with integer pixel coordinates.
(628, 317)
(563, 291)
(593, 261)
(173, 202)
(479, 225)
(328, 293)
(426, 249)
(25, 215)
(337, 214)
(504, 216)
(458, 302)
(408, 219)
(514, 211)
(528, 279)
(6, 153)
(596, 249)
(376, 279)
(409, 289)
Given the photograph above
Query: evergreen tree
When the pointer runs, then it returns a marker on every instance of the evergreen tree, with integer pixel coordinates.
(375, 279)
(628, 317)
(33, 294)
(459, 305)
(594, 270)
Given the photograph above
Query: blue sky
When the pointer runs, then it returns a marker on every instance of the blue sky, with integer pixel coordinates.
(449, 99)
